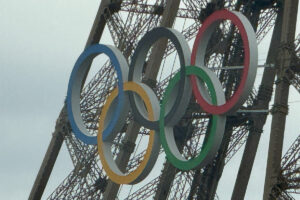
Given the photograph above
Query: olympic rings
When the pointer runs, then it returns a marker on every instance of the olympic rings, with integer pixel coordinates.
(175, 109)
(104, 147)
(76, 82)
(216, 131)
(133, 95)
(250, 59)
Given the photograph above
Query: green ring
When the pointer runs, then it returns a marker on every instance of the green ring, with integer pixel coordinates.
(194, 162)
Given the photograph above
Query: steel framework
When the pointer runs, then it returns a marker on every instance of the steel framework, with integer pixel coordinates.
(127, 21)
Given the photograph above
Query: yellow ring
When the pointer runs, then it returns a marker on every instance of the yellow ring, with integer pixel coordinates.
(104, 148)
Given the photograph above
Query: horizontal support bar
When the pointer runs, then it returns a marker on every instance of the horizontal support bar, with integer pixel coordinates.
(241, 67)
(253, 111)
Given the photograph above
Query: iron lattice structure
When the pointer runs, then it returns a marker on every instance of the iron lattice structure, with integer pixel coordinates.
(127, 21)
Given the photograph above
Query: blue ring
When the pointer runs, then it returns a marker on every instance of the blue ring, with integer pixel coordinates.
(76, 82)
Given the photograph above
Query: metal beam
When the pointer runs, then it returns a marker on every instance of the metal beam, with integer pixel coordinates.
(212, 174)
(263, 99)
(50, 157)
(152, 69)
(280, 107)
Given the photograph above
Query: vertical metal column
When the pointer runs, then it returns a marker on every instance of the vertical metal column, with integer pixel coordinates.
(50, 157)
(280, 108)
(263, 99)
(152, 69)
(211, 176)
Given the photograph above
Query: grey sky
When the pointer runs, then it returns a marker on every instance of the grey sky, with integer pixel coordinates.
(39, 44)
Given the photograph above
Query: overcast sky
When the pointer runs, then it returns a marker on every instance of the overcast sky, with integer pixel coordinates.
(39, 44)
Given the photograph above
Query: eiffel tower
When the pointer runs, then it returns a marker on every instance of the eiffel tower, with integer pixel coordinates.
(127, 21)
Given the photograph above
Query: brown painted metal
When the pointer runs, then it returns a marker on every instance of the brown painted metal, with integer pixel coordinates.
(50, 157)
(262, 102)
(86, 170)
(156, 57)
(280, 107)
(152, 69)
(212, 173)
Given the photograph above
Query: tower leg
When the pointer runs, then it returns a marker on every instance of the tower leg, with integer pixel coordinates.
(280, 108)
(152, 69)
(264, 97)
(49, 160)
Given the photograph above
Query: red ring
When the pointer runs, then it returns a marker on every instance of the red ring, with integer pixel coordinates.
(225, 108)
